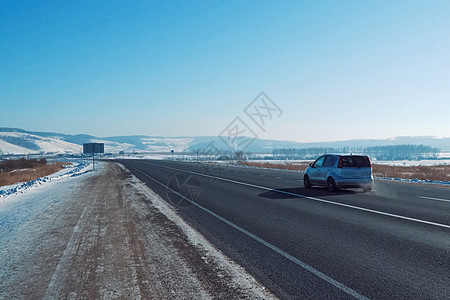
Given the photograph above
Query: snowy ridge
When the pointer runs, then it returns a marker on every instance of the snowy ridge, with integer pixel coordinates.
(114, 146)
(26, 143)
(167, 144)
(76, 169)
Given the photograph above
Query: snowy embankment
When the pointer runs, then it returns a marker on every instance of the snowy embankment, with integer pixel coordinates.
(415, 180)
(77, 168)
(411, 163)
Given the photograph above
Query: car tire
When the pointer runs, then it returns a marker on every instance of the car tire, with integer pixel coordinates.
(306, 182)
(331, 185)
(367, 189)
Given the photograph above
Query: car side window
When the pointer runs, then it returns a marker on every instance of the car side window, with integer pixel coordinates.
(319, 162)
(329, 161)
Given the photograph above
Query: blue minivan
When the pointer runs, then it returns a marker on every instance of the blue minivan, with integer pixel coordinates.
(340, 171)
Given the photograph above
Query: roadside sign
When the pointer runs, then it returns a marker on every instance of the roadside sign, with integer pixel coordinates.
(92, 148)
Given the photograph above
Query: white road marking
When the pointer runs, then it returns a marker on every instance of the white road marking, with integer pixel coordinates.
(431, 198)
(293, 259)
(311, 198)
(278, 177)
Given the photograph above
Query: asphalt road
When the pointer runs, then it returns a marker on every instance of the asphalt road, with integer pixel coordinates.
(391, 243)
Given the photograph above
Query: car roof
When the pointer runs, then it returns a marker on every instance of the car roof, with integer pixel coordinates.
(346, 155)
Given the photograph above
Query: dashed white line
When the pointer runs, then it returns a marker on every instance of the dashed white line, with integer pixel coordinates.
(432, 198)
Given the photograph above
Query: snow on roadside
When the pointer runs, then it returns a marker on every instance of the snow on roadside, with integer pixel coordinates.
(21, 235)
(77, 168)
(415, 180)
(411, 163)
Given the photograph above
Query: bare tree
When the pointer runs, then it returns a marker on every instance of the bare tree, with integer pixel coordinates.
(239, 155)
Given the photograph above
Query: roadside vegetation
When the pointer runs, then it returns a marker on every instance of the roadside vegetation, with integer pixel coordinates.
(23, 170)
(438, 172)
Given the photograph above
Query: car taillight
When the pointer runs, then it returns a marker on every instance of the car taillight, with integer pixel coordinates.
(340, 162)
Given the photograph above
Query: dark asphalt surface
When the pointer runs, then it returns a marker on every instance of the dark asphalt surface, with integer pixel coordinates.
(387, 244)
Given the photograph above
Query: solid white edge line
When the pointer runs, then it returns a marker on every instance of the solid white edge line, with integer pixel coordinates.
(312, 198)
(298, 262)
(431, 198)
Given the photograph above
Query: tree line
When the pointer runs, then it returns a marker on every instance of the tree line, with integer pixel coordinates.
(397, 152)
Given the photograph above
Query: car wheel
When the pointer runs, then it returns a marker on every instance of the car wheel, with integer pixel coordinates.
(367, 189)
(306, 182)
(331, 184)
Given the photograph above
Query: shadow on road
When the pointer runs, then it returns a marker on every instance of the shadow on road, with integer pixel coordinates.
(290, 193)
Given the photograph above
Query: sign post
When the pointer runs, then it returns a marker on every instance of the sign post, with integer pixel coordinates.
(92, 148)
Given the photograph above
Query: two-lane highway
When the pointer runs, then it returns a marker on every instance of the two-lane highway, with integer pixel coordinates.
(392, 243)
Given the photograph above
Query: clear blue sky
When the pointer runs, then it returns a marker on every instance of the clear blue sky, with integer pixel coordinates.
(337, 69)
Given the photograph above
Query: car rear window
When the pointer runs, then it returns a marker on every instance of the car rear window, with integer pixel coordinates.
(355, 161)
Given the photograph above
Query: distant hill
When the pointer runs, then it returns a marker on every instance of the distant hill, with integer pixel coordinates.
(19, 141)
(22, 142)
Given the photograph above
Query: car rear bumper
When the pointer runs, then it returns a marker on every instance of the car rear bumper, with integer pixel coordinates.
(354, 183)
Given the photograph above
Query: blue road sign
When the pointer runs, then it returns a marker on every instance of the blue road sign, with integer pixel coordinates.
(90, 148)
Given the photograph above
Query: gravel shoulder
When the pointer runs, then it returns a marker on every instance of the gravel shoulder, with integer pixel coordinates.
(105, 235)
